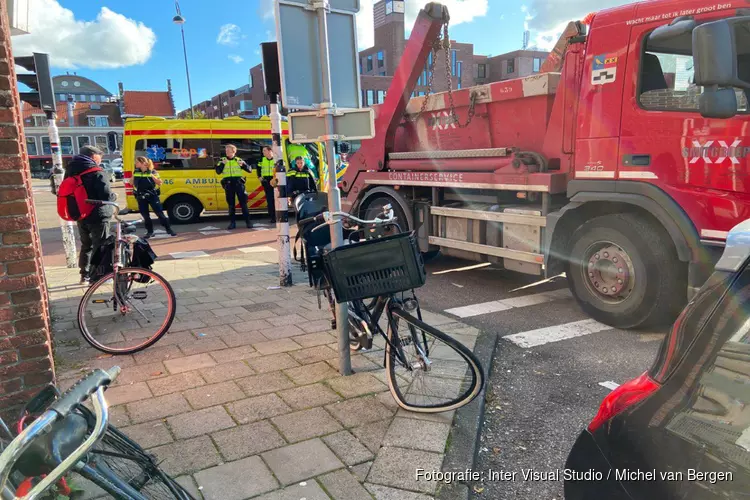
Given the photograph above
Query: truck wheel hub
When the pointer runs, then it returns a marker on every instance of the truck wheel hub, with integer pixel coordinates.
(609, 271)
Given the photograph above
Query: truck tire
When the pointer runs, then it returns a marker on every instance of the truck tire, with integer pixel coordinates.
(624, 272)
(183, 209)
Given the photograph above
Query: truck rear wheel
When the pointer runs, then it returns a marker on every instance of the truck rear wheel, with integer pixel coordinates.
(624, 272)
(183, 209)
(375, 209)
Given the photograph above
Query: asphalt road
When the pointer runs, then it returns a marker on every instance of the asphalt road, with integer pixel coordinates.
(541, 397)
(541, 393)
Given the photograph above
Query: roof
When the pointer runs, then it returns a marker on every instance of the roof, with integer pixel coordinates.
(74, 84)
(147, 103)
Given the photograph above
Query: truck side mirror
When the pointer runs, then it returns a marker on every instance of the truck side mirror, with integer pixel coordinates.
(718, 103)
(719, 65)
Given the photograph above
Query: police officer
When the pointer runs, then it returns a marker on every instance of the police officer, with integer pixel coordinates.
(146, 184)
(265, 170)
(230, 168)
(300, 176)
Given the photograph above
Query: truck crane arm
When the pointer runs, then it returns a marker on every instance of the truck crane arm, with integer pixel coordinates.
(426, 31)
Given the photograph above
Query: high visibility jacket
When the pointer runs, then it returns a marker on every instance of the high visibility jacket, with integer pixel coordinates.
(267, 167)
(144, 181)
(231, 168)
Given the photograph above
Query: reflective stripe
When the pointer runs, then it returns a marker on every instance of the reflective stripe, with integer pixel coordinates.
(231, 168)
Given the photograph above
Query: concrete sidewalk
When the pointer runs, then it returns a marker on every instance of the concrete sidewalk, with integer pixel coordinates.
(242, 398)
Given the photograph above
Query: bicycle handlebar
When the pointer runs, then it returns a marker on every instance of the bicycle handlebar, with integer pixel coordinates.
(93, 383)
(329, 218)
(101, 203)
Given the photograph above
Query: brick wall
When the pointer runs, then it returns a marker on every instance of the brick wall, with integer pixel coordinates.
(25, 344)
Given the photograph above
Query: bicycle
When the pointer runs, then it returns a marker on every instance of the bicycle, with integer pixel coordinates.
(68, 437)
(119, 311)
(384, 268)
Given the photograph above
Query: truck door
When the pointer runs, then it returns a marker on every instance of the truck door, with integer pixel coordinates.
(699, 162)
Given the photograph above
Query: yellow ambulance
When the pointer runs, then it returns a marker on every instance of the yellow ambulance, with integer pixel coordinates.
(185, 153)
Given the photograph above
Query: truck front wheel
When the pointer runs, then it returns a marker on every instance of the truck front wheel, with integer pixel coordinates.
(624, 272)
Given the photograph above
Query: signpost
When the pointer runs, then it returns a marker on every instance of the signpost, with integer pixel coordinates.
(311, 36)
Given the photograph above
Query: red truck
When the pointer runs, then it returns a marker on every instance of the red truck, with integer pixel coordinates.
(624, 163)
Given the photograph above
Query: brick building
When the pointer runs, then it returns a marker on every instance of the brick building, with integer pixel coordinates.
(237, 102)
(26, 363)
(379, 62)
(88, 114)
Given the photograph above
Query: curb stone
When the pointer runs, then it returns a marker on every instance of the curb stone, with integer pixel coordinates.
(463, 440)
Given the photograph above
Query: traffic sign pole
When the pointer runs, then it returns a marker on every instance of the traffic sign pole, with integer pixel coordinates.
(68, 233)
(282, 204)
(334, 194)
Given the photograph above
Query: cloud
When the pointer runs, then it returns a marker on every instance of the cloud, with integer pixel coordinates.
(235, 58)
(547, 15)
(110, 41)
(265, 10)
(229, 34)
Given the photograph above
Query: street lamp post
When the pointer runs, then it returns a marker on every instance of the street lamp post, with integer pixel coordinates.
(178, 19)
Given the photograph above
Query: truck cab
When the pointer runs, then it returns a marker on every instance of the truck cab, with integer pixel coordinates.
(623, 164)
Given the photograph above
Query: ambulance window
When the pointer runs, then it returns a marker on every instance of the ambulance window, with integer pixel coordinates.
(250, 150)
(666, 77)
(177, 153)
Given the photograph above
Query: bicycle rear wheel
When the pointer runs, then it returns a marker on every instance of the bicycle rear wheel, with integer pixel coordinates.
(126, 313)
(428, 371)
(117, 463)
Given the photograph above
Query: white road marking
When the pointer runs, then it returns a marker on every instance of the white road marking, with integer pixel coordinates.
(160, 236)
(189, 255)
(257, 249)
(209, 233)
(609, 385)
(511, 303)
(159, 231)
(557, 333)
(209, 228)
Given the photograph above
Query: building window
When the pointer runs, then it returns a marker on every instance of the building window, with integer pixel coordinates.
(100, 141)
(40, 121)
(246, 106)
(82, 98)
(62, 97)
(83, 140)
(369, 62)
(454, 62)
(262, 110)
(537, 64)
(31, 149)
(459, 72)
(103, 98)
(481, 71)
(98, 121)
(46, 148)
(510, 66)
(382, 73)
(66, 145)
(381, 60)
(381, 96)
(371, 97)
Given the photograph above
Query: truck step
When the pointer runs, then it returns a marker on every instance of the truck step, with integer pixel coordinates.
(456, 153)
(533, 258)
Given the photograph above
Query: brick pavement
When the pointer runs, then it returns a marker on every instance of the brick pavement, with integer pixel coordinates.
(242, 398)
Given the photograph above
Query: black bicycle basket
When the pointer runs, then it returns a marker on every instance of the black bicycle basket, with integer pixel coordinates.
(375, 267)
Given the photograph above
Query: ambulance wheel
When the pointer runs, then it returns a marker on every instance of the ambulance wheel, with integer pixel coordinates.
(624, 272)
(184, 209)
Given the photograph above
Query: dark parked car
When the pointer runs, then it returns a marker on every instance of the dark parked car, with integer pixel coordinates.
(682, 429)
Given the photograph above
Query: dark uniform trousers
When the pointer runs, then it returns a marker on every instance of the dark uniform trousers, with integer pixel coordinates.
(234, 188)
(270, 198)
(152, 200)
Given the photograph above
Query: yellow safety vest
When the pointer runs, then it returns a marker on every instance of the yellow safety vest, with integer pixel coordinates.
(139, 173)
(231, 168)
(267, 167)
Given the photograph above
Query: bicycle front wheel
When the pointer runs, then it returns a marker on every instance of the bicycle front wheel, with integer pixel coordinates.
(429, 371)
(127, 311)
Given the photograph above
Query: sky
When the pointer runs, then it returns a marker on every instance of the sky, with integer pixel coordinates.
(136, 42)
